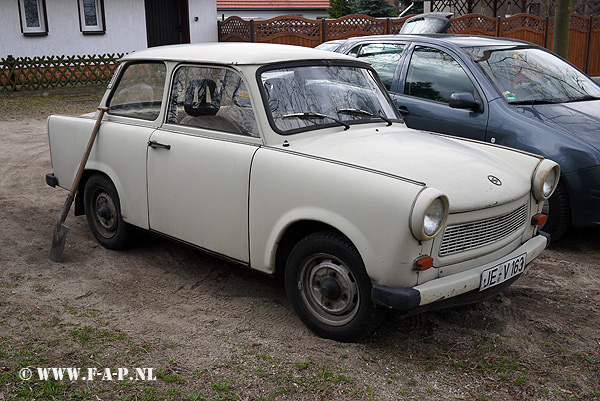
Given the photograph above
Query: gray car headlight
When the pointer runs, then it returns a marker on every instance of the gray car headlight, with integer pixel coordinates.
(429, 214)
(545, 179)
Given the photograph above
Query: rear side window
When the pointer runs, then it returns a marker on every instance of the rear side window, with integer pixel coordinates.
(435, 75)
(211, 98)
(384, 58)
(139, 91)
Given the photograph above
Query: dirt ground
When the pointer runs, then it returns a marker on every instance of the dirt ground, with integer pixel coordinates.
(213, 331)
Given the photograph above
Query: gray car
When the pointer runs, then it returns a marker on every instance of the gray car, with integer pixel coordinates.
(503, 91)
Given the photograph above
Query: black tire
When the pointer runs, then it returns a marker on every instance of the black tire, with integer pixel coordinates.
(328, 287)
(103, 213)
(558, 209)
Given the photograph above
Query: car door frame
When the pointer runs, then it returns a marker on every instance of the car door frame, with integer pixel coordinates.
(182, 133)
(126, 167)
(398, 88)
(370, 41)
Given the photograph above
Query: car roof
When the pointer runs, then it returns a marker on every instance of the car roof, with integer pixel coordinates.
(456, 40)
(233, 53)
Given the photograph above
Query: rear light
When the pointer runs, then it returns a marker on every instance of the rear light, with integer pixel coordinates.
(423, 263)
(539, 219)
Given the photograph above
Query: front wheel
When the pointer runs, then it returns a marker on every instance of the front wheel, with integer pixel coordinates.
(103, 213)
(329, 289)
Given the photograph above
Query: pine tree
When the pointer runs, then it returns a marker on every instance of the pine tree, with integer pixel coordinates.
(375, 8)
(339, 8)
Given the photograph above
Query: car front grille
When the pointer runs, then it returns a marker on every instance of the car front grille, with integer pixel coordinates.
(467, 236)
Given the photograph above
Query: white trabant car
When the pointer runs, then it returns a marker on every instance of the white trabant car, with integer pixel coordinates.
(294, 161)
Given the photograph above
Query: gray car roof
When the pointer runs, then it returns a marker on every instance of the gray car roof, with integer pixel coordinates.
(457, 40)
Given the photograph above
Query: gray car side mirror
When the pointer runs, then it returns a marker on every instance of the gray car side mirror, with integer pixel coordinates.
(464, 100)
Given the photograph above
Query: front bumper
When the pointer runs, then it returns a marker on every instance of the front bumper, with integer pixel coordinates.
(51, 180)
(456, 289)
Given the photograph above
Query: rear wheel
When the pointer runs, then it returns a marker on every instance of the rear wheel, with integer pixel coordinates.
(328, 287)
(558, 209)
(103, 213)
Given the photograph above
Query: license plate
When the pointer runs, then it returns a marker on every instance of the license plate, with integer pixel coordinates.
(502, 272)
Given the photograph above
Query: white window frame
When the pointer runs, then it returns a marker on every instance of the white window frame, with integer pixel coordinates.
(92, 29)
(42, 29)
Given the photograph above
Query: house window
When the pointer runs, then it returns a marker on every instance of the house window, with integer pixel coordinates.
(91, 16)
(33, 17)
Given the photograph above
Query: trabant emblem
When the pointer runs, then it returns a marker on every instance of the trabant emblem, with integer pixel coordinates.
(494, 180)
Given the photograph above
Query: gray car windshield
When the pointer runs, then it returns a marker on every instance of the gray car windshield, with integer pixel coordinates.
(527, 75)
(311, 97)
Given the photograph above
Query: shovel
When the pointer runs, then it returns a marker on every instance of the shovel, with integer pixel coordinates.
(60, 230)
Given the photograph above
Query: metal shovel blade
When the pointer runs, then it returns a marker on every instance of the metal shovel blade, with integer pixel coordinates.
(59, 237)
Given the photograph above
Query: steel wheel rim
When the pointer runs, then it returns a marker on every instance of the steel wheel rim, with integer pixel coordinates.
(329, 289)
(104, 213)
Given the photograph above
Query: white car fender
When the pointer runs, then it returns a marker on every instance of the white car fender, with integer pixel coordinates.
(367, 207)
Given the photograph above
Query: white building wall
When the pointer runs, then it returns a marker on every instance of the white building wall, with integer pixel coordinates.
(258, 15)
(203, 21)
(125, 29)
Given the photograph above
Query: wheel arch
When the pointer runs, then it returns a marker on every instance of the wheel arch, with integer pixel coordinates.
(294, 233)
(79, 208)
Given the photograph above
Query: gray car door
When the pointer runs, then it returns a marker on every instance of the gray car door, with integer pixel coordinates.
(432, 74)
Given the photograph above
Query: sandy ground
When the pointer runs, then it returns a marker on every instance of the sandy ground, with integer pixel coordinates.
(225, 332)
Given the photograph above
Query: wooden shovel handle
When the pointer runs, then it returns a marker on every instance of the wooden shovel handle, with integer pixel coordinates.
(86, 155)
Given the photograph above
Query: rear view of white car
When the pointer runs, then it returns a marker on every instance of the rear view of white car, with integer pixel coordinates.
(294, 161)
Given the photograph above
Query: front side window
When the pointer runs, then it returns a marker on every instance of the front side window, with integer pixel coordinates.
(91, 16)
(435, 75)
(384, 58)
(312, 97)
(139, 91)
(33, 17)
(211, 98)
(528, 75)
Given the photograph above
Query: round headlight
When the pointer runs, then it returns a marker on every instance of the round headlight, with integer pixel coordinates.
(549, 183)
(545, 179)
(429, 214)
(434, 217)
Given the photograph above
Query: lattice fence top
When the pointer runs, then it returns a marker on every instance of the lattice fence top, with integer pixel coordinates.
(580, 22)
(471, 22)
(290, 25)
(355, 24)
(521, 21)
(234, 29)
(32, 73)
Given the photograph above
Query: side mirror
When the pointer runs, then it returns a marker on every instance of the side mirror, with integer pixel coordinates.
(464, 100)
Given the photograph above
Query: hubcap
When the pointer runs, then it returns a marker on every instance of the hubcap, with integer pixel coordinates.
(329, 289)
(104, 213)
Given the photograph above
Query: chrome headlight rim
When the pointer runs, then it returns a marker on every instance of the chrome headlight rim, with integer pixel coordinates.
(545, 179)
(424, 206)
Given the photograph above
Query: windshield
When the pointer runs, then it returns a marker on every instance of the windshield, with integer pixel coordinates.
(425, 25)
(311, 97)
(526, 75)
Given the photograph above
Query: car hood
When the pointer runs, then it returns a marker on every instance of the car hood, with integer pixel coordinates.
(459, 168)
(578, 119)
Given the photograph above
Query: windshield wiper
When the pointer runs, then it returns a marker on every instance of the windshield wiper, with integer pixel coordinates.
(309, 115)
(583, 98)
(365, 113)
(536, 101)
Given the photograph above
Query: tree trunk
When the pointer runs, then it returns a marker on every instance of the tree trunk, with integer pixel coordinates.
(562, 24)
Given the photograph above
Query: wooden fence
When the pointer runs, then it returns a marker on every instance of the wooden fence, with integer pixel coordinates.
(584, 39)
(34, 73)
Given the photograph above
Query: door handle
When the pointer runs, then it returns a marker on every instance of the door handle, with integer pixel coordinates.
(158, 145)
(403, 110)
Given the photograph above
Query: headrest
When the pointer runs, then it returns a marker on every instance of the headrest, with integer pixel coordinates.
(204, 91)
